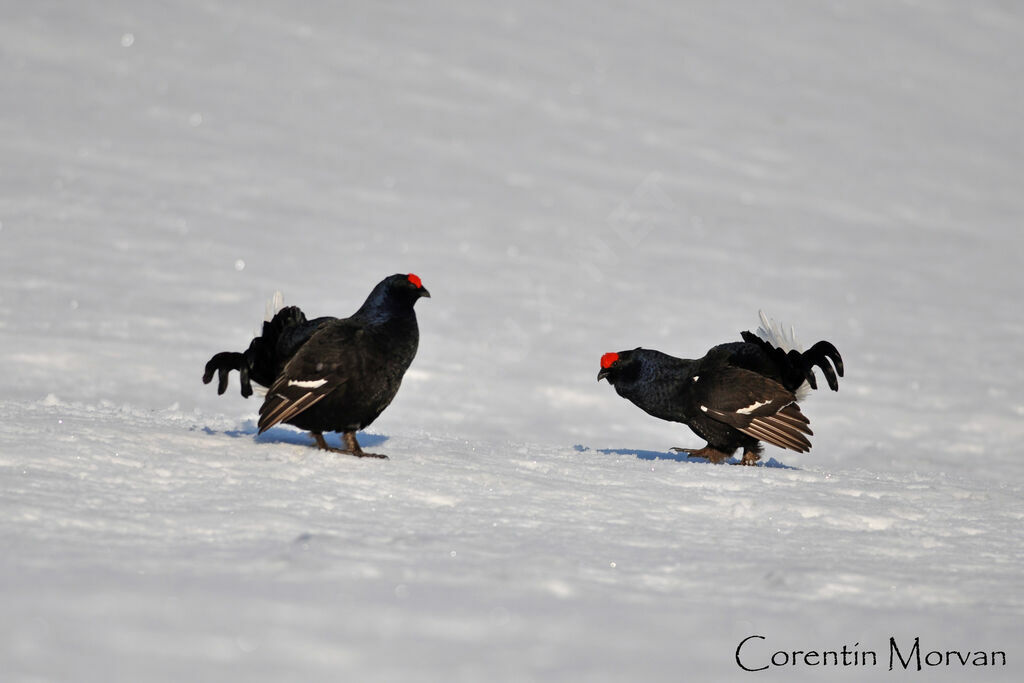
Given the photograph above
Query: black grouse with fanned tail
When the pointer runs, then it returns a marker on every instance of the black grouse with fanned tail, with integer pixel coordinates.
(330, 374)
(738, 394)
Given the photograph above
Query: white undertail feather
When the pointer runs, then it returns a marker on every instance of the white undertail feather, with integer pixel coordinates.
(274, 304)
(774, 332)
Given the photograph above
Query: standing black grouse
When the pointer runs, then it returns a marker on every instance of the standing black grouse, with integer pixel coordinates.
(738, 394)
(330, 374)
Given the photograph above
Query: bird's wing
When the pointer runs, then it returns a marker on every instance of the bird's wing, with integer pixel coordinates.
(757, 406)
(319, 368)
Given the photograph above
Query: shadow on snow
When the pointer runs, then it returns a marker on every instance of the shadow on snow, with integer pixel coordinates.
(677, 457)
(297, 438)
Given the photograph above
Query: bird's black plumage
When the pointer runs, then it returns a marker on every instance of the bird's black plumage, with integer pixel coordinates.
(330, 374)
(738, 394)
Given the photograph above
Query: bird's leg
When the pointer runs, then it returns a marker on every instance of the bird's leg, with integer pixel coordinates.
(351, 446)
(714, 456)
(751, 454)
(750, 458)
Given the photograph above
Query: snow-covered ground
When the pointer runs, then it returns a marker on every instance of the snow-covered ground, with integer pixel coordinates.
(568, 179)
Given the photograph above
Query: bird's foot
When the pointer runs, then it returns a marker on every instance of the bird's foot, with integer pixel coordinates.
(357, 454)
(352, 449)
(361, 454)
(750, 458)
(713, 456)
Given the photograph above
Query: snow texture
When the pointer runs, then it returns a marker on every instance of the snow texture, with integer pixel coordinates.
(568, 179)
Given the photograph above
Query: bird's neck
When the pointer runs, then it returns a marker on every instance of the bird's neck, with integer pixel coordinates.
(382, 307)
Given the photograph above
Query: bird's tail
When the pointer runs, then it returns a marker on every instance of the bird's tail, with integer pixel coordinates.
(262, 361)
(776, 334)
(797, 365)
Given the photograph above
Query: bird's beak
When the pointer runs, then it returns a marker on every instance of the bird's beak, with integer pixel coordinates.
(424, 292)
(603, 374)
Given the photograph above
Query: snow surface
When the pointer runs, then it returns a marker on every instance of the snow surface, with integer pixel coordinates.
(568, 179)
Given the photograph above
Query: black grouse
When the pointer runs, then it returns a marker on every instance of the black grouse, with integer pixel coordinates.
(738, 394)
(330, 374)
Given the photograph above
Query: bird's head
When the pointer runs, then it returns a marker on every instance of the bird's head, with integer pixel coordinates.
(619, 366)
(418, 289)
(394, 295)
(407, 288)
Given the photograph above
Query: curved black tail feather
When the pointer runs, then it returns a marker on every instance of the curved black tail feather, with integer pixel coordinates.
(797, 367)
(820, 354)
(267, 354)
(223, 363)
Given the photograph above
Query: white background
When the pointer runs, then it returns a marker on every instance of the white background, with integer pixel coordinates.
(567, 180)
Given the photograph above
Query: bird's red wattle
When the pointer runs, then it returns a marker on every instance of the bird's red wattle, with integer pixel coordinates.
(608, 359)
(415, 280)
